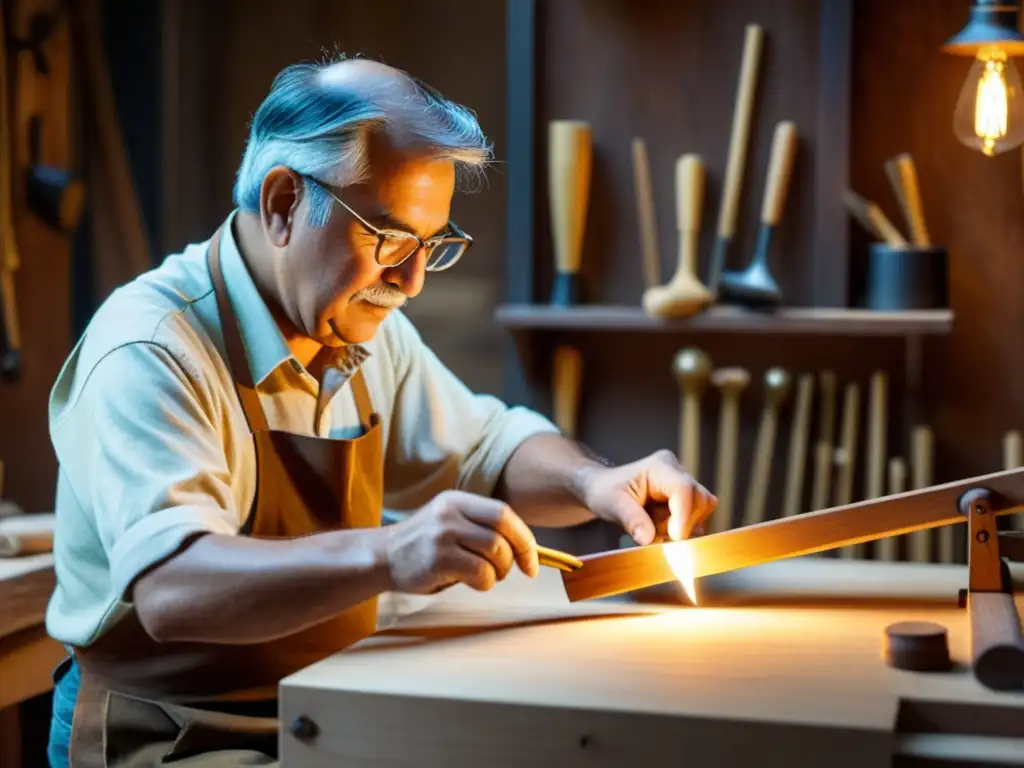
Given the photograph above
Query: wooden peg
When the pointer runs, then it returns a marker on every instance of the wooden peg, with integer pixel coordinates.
(921, 450)
(692, 369)
(846, 457)
(798, 445)
(645, 214)
(888, 549)
(567, 372)
(776, 386)
(731, 382)
(826, 437)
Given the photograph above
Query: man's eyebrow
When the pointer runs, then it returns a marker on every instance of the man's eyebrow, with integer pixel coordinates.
(387, 220)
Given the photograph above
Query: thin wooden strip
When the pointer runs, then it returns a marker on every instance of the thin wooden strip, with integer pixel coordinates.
(556, 556)
(611, 573)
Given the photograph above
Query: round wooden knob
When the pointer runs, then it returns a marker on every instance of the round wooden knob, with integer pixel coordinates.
(776, 385)
(692, 369)
(731, 381)
(920, 646)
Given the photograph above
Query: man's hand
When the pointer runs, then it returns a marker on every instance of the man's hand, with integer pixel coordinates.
(458, 537)
(629, 495)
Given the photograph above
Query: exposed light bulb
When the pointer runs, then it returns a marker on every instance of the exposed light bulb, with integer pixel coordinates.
(990, 111)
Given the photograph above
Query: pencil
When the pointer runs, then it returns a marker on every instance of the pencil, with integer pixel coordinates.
(552, 558)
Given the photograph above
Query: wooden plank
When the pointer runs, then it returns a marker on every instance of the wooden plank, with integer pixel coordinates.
(517, 676)
(27, 661)
(626, 570)
(26, 584)
(793, 320)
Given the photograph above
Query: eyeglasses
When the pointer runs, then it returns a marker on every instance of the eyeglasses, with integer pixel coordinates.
(394, 246)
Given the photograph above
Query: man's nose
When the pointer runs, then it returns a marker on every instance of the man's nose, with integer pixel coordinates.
(408, 276)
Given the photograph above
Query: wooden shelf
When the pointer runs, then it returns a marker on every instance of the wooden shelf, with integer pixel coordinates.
(789, 320)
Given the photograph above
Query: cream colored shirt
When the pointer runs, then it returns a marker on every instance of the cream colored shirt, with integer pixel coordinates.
(153, 445)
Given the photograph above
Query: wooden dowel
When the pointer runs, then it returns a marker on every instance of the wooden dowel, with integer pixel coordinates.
(997, 645)
(556, 558)
(625, 570)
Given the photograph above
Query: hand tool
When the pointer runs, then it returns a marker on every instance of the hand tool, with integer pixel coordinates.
(684, 294)
(728, 211)
(755, 285)
(823, 445)
(776, 389)
(873, 219)
(569, 168)
(645, 216)
(567, 371)
(731, 382)
(692, 369)
(553, 558)
(919, 543)
(997, 646)
(846, 456)
(798, 445)
(910, 197)
(10, 260)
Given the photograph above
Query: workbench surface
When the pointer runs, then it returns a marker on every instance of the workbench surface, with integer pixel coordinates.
(780, 664)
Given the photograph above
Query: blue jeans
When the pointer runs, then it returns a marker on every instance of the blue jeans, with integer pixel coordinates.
(66, 680)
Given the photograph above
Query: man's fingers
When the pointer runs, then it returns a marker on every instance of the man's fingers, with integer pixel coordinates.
(469, 568)
(490, 545)
(499, 517)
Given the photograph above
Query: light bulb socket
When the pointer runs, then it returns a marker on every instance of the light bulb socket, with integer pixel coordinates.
(992, 25)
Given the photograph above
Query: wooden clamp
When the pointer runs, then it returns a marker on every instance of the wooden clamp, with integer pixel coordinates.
(997, 644)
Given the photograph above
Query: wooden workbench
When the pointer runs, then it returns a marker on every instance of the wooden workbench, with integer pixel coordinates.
(27, 654)
(779, 665)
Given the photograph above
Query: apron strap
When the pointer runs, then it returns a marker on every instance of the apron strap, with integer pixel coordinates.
(362, 397)
(237, 359)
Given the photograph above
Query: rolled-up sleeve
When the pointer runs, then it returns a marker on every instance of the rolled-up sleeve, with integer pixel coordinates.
(444, 435)
(140, 450)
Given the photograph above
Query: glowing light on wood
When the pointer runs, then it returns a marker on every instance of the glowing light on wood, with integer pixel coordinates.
(680, 560)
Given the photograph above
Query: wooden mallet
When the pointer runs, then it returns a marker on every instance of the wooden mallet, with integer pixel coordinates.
(692, 369)
(684, 294)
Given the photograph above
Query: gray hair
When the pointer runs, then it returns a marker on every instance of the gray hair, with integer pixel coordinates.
(321, 129)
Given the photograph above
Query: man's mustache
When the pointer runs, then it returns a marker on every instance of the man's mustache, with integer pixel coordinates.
(382, 295)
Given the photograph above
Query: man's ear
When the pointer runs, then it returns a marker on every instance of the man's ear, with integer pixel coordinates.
(280, 197)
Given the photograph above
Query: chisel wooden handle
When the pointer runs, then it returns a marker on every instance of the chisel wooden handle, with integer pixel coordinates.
(777, 385)
(912, 193)
(569, 166)
(567, 372)
(731, 382)
(740, 135)
(645, 215)
(780, 170)
(798, 445)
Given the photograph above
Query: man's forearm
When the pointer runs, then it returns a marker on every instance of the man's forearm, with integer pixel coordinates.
(239, 589)
(543, 481)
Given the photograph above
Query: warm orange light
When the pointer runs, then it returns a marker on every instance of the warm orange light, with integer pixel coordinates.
(680, 559)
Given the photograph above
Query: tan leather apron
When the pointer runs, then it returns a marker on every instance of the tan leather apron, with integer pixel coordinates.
(144, 703)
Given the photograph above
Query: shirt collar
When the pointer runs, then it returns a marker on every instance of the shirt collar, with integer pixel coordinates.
(264, 343)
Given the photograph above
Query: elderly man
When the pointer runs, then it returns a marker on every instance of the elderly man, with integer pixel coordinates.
(232, 423)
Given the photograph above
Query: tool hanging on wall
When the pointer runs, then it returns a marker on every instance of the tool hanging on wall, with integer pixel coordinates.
(739, 139)
(797, 461)
(647, 221)
(684, 295)
(777, 383)
(10, 261)
(570, 150)
(755, 285)
(823, 448)
(692, 370)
